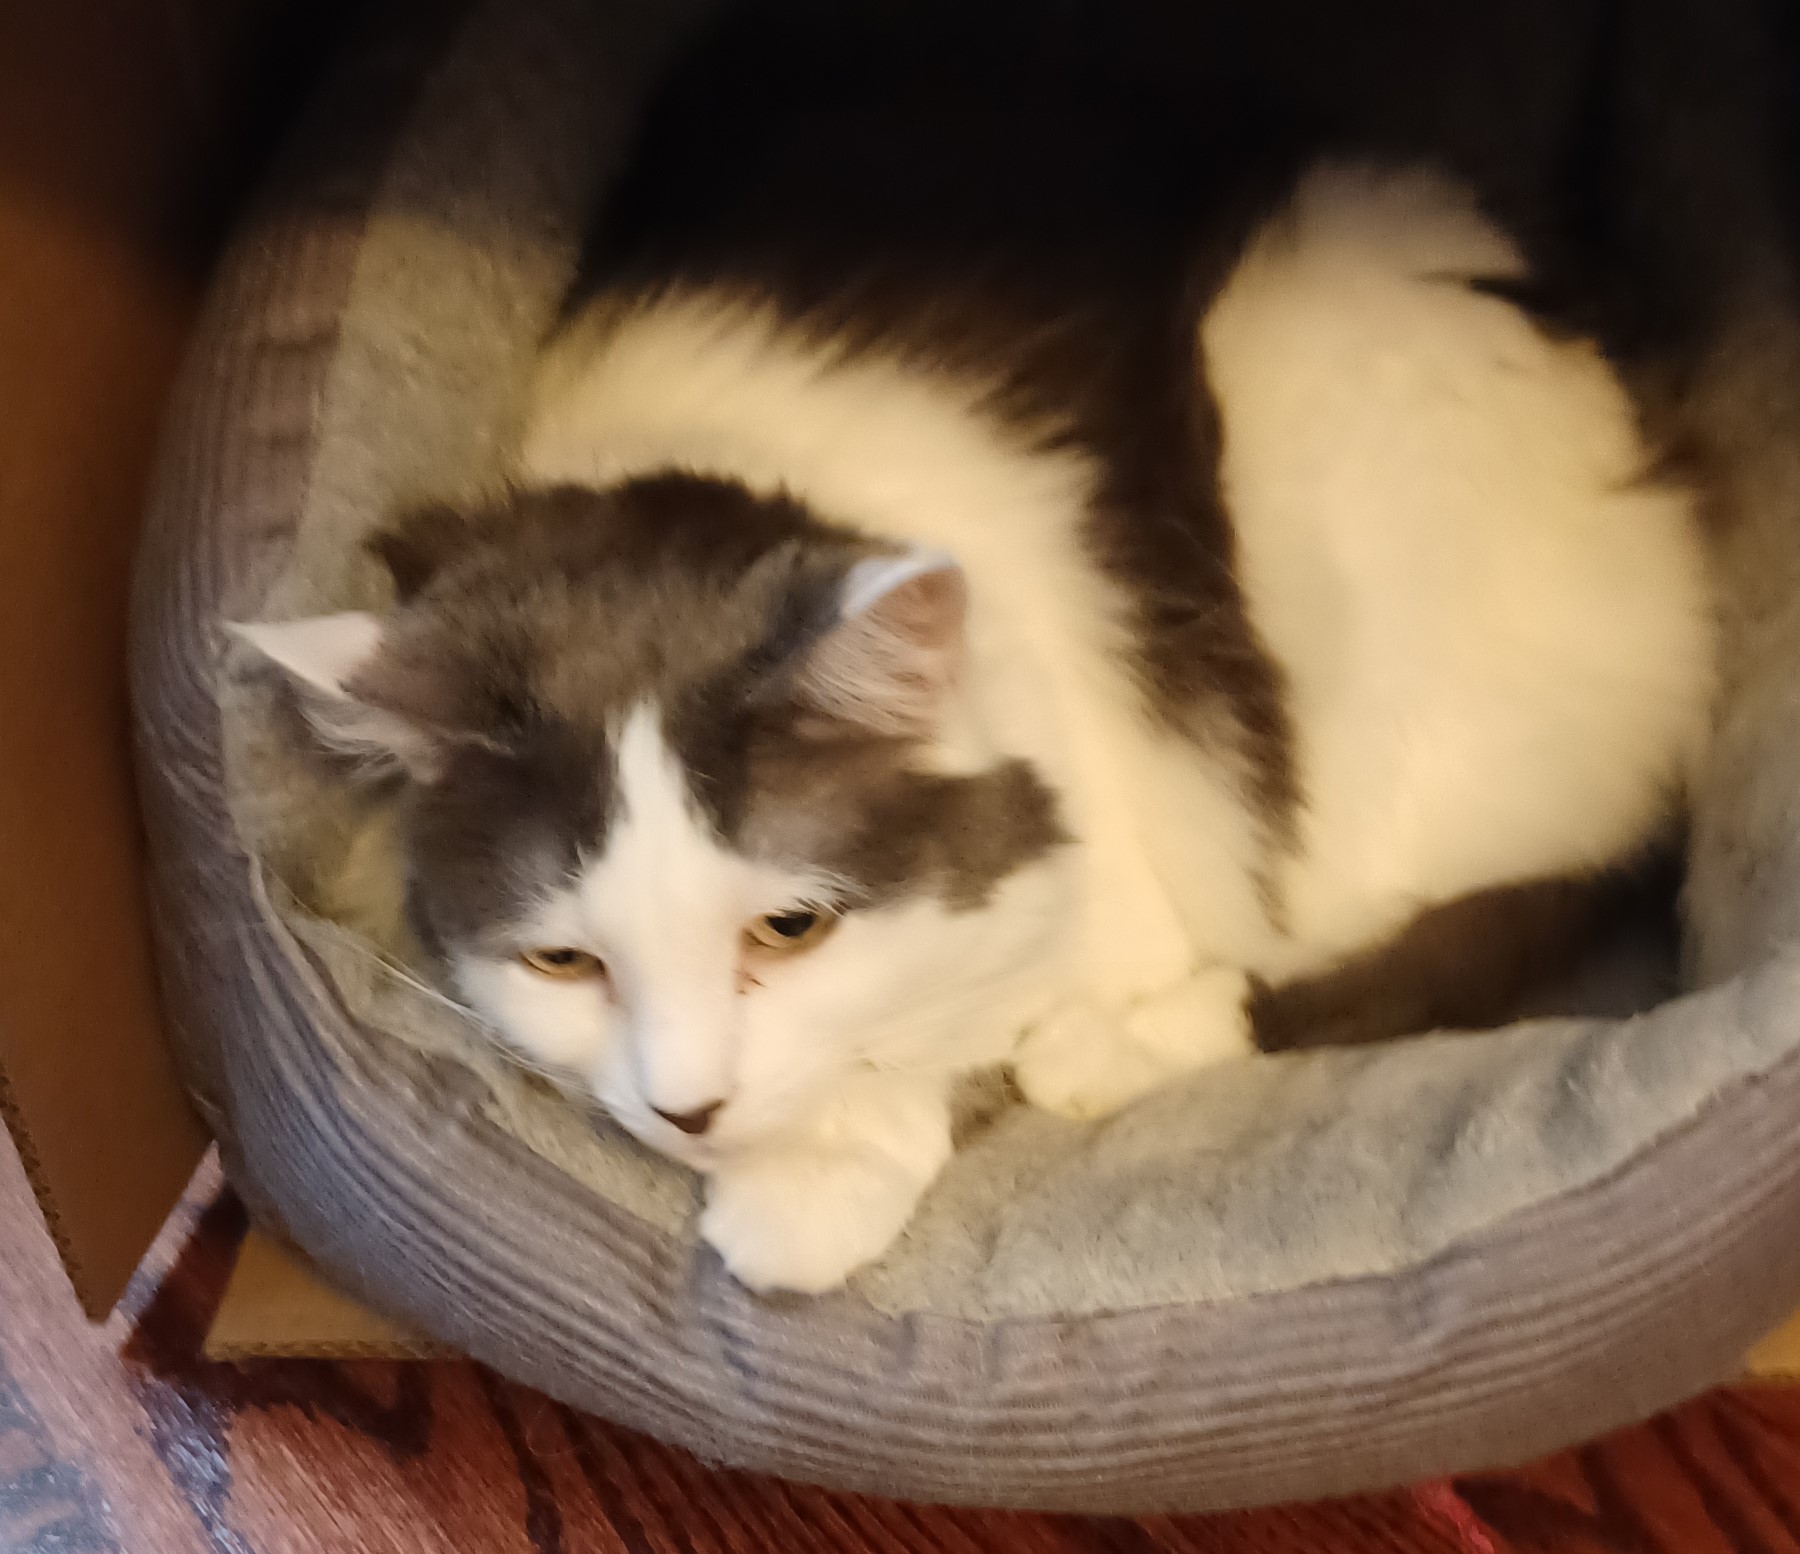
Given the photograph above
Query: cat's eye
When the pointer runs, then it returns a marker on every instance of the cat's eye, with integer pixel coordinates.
(565, 965)
(786, 932)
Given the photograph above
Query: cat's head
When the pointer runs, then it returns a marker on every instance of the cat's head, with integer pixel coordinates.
(682, 818)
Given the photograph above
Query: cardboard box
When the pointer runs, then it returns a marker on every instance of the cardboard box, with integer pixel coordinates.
(128, 130)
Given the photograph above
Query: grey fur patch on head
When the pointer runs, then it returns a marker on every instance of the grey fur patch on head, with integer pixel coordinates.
(526, 631)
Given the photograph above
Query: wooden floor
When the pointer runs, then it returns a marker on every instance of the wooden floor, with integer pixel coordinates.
(118, 1439)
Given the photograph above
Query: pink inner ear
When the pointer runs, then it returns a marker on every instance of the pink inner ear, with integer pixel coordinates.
(889, 662)
(350, 683)
(323, 651)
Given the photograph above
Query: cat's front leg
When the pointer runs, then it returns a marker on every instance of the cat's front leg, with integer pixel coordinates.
(1086, 1060)
(804, 1211)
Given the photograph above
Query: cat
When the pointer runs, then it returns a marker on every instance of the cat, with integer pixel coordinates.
(1034, 540)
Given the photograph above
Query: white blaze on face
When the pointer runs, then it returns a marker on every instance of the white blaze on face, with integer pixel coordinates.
(663, 908)
(669, 903)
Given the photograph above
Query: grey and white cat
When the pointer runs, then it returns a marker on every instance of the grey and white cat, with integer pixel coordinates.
(1020, 573)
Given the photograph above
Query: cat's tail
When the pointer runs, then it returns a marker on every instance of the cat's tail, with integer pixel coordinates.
(1485, 959)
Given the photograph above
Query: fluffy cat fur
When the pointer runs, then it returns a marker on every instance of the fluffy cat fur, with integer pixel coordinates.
(1023, 554)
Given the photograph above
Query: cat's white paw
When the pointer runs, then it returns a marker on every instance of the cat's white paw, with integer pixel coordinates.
(1082, 1062)
(1197, 1023)
(1071, 1063)
(804, 1219)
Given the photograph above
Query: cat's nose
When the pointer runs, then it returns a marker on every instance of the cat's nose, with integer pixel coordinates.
(693, 1122)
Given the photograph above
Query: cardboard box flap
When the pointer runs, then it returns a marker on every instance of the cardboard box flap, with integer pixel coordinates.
(1777, 1357)
(276, 1306)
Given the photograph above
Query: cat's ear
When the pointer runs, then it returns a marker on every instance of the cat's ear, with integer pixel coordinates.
(896, 647)
(327, 656)
(420, 543)
(324, 653)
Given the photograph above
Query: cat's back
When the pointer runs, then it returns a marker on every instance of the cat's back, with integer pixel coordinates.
(1490, 613)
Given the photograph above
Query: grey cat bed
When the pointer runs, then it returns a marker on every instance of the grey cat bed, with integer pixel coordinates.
(1299, 1277)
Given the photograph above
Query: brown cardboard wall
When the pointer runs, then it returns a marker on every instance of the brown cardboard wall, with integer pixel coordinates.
(122, 132)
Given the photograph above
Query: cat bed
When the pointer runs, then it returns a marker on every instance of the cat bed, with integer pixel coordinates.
(1299, 1276)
